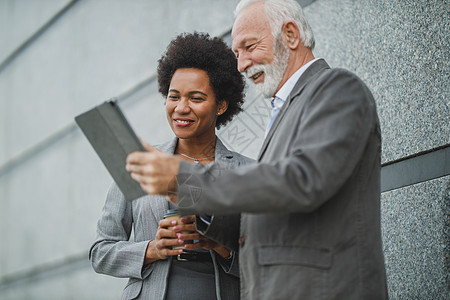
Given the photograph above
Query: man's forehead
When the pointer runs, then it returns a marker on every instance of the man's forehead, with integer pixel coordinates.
(249, 24)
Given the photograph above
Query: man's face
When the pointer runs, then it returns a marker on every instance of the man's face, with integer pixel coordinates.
(273, 72)
(253, 44)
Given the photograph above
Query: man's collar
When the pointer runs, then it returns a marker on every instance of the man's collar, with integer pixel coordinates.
(288, 86)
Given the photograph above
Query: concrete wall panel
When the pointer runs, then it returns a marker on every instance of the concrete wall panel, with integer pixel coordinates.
(20, 19)
(55, 200)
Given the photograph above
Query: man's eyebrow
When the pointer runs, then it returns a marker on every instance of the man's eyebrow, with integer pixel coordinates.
(173, 91)
(245, 42)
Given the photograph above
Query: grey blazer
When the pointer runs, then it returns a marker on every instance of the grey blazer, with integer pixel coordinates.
(115, 252)
(311, 227)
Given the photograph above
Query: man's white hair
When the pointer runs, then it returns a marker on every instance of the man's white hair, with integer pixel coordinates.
(280, 11)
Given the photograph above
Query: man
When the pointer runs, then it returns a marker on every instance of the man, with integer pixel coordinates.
(310, 225)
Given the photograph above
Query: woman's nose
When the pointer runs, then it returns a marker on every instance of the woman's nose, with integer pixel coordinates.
(183, 106)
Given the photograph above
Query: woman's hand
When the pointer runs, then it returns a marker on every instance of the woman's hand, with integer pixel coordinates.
(203, 241)
(161, 246)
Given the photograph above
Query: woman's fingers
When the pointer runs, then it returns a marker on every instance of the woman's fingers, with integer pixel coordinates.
(188, 219)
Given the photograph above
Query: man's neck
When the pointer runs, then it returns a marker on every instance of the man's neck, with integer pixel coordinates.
(297, 60)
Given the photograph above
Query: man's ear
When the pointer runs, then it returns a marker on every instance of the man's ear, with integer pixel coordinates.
(222, 107)
(291, 35)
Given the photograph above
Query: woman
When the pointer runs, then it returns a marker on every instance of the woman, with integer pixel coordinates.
(203, 89)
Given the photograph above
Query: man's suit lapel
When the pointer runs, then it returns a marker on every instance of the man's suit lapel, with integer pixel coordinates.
(301, 83)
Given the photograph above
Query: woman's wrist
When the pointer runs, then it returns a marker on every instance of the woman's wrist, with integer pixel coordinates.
(149, 255)
(230, 255)
(224, 252)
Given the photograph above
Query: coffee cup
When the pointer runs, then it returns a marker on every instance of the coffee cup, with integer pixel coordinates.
(173, 214)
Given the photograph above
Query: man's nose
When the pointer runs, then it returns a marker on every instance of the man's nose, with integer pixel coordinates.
(183, 106)
(244, 62)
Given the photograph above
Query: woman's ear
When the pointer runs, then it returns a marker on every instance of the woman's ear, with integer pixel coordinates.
(222, 107)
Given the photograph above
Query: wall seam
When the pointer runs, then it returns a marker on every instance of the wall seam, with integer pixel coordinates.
(14, 54)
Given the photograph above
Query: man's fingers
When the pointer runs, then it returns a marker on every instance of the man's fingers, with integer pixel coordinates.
(142, 162)
(155, 171)
(136, 157)
(142, 158)
(143, 180)
(148, 147)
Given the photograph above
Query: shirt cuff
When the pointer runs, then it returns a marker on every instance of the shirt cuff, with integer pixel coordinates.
(206, 219)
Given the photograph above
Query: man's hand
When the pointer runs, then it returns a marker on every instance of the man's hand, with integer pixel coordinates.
(154, 170)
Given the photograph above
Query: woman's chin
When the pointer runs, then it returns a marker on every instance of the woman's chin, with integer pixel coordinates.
(184, 135)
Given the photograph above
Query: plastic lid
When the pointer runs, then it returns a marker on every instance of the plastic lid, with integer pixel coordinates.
(171, 212)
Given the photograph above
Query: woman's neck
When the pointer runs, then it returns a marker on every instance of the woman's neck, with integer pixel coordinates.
(195, 148)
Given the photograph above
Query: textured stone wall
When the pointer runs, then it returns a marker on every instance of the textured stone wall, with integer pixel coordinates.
(401, 50)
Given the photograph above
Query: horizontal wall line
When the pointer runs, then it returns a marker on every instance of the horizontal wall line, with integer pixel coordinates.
(36, 35)
(417, 168)
(414, 155)
(45, 271)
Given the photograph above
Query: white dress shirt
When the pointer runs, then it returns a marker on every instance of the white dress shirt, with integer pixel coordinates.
(283, 93)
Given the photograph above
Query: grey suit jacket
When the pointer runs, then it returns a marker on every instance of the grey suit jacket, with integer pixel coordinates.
(311, 227)
(114, 253)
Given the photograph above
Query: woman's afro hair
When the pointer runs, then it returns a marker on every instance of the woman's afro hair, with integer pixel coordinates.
(199, 50)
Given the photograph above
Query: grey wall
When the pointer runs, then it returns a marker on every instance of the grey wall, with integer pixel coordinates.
(52, 185)
(401, 50)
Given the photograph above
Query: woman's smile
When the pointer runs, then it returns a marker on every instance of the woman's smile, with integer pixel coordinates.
(180, 122)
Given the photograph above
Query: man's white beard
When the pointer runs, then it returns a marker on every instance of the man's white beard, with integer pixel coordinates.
(273, 73)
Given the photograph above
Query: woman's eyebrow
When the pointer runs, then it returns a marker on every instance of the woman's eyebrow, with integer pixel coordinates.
(198, 92)
(173, 91)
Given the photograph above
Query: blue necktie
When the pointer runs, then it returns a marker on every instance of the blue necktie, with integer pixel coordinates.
(275, 110)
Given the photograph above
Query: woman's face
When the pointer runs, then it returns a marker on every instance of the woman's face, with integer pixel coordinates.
(191, 106)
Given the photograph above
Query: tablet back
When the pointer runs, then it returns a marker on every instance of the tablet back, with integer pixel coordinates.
(112, 137)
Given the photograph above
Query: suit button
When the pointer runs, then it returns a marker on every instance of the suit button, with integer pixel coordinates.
(242, 240)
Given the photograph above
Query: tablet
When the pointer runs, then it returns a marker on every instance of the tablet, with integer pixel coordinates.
(112, 138)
